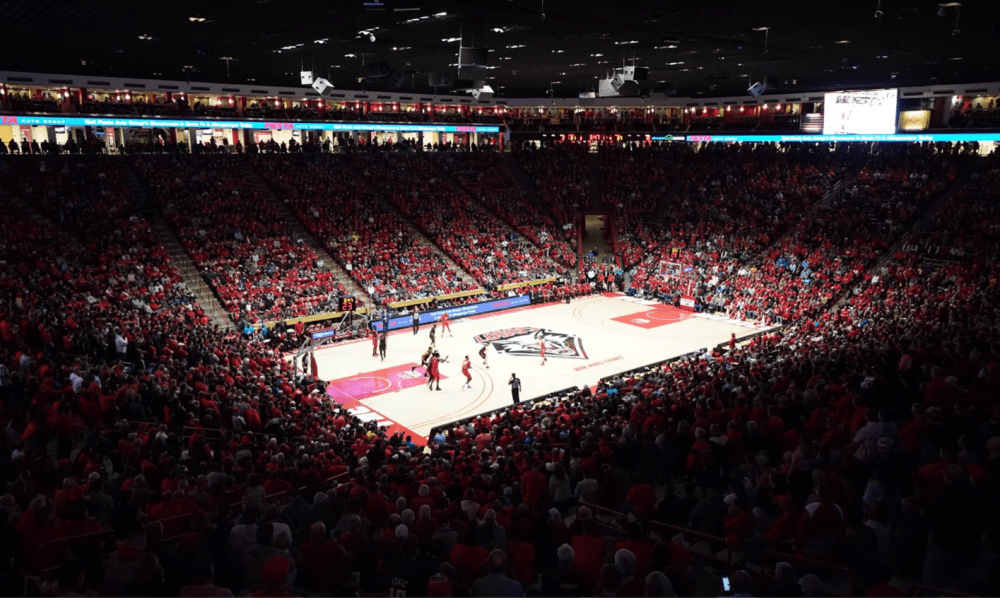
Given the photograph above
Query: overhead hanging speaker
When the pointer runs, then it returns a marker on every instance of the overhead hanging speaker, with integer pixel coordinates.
(757, 89)
(617, 81)
(443, 79)
(321, 85)
(395, 78)
(472, 57)
(483, 94)
(307, 77)
(378, 68)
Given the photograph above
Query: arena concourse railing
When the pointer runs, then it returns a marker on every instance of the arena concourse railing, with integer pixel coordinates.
(107, 536)
(715, 541)
(731, 560)
(917, 590)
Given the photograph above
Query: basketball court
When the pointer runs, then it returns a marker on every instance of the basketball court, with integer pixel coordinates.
(585, 340)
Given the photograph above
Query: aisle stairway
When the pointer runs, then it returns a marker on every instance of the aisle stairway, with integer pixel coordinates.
(830, 196)
(426, 241)
(595, 181)
(520, 177)
(528, 187)
(510, 230)
(593, 238)
(147, 206)
(972, 167)
(192, 277)
(665, 200)
(419, 236)
(299, 232)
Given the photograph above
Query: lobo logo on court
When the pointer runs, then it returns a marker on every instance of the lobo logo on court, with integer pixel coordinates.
(526, 341)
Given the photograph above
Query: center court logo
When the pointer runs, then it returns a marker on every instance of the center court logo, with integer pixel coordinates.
(526, 341)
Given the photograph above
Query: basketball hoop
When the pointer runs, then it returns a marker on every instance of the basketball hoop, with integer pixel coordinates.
(684, 277)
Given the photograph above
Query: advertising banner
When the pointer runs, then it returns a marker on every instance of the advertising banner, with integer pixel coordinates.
(456, 312)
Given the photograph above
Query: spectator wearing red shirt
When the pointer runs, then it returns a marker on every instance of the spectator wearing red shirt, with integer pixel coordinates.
(641, 499)
(588, 548)
(533, 485)
(322, 561)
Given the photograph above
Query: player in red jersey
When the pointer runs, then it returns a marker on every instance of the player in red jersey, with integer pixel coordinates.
(466, 365)
(446, 325)
(434, 370)
(541, 346)
(374, 336)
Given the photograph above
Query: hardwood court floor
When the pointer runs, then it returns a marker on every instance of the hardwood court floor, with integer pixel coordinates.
(586, 340)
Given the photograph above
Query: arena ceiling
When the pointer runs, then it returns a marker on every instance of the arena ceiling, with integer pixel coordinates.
(695, 48)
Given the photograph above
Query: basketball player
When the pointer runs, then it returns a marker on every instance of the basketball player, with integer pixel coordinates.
(466, 364)
(434, 370)
(541, 347)
(482, 355)
(381, 344)
(374, 335)
(446, 325)
(434, 327)
(424, 358)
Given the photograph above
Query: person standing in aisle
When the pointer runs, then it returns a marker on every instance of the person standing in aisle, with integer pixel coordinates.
(515, 388)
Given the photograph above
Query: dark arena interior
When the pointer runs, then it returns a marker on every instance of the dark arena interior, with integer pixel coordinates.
(739, 260)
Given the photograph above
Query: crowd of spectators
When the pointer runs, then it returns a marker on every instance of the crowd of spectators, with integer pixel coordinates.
(486, 176)
(635, 179)
(975, 113)
(346, 210)
(833, 246)
(418, 185)
(865, 438)
(239, 241)
(731, 202)
(560, 175)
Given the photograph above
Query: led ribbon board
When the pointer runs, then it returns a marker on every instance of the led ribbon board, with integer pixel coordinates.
(58, 121)
(886, 137)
